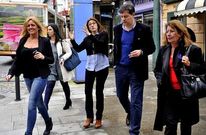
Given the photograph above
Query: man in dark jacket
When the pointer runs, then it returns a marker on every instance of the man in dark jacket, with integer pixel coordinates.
(133, 43)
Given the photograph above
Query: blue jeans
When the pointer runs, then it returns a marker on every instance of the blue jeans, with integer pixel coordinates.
(36, 87)
(125, 76)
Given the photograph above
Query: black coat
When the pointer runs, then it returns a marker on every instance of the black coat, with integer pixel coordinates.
(93, 44)
(190, 107)
(43, 65)
(142, 40)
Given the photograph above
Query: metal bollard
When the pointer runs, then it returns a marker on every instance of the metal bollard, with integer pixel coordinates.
(17, 87)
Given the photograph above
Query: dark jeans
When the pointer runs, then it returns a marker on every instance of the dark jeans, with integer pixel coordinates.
(101, 77)
(125, 76)
(49, 90)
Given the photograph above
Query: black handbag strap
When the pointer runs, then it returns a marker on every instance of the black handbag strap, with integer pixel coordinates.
(185, 71)
(188, 50)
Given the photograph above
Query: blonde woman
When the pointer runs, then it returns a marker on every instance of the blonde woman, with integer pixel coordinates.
(33, 56)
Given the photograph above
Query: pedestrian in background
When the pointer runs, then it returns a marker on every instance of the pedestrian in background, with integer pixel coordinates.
(96, 45)
(133, 43)
(33, 56)
(192, 34)
(171, 108)
(61, 51)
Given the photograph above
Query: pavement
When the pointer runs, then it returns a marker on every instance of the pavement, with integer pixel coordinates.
(13, 113)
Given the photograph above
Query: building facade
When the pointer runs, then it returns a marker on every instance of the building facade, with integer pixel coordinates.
(144, 11)
(191, 13)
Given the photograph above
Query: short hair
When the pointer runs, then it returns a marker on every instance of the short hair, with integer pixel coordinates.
(100, 27)
(42, 30)
(181, 29)
(127, 7)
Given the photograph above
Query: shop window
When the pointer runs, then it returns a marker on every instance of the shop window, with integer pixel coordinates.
(171, 16)
(148, 19)
(139, 18)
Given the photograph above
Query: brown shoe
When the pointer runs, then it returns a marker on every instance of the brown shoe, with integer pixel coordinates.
(98, 123)
(87, 122)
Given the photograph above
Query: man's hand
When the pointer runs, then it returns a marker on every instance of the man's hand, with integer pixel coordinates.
(135, 53)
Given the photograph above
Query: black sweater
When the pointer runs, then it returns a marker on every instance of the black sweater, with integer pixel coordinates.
(93, 44)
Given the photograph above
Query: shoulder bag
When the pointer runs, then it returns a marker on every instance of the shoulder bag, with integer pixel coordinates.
(73, 61)
(193, 86)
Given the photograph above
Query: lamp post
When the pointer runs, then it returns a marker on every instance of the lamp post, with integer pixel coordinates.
(55, 8)
(156, 29)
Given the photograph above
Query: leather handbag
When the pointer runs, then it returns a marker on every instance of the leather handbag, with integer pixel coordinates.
(73, 61)
(193, 86)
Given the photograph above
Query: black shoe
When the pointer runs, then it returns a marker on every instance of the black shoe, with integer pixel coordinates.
(27, 134)
(128, 120)
(49, 125)
(67, 105)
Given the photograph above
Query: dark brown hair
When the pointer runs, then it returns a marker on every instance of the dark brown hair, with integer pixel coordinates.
(100, 27)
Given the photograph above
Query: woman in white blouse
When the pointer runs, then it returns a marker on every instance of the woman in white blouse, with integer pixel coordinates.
(61, 51)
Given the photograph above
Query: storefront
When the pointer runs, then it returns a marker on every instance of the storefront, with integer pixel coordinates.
(144, 13)
(191, 13)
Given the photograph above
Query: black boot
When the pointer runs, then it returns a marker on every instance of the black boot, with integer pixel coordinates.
(128, 120)
(27, 134)
(49, 125)
(67, 105)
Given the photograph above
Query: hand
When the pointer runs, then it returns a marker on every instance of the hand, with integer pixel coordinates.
(8, 77)
(135, 53)
(61, 61)
(38, 55)
(71, 35)
(86, 31)
(185, 61)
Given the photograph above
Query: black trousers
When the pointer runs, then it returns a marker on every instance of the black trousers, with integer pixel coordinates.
(49, 91)
(100, 77)
(174, 115)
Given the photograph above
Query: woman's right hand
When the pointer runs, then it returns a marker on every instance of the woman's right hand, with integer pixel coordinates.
(8, 77)
(186, 61)
(86, 31)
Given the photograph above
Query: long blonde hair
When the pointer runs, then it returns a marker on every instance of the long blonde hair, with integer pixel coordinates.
(181, 29)
(42, 30)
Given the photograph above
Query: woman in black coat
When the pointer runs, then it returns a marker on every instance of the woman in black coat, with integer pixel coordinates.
(171, 108)
(96, 45)
(33, 56)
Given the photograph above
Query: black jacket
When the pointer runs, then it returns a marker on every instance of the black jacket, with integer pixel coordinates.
(142, 40)
(161, 71)
(93, 44)
(43, 67)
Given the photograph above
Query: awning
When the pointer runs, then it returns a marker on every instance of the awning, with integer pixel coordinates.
(189, 7)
